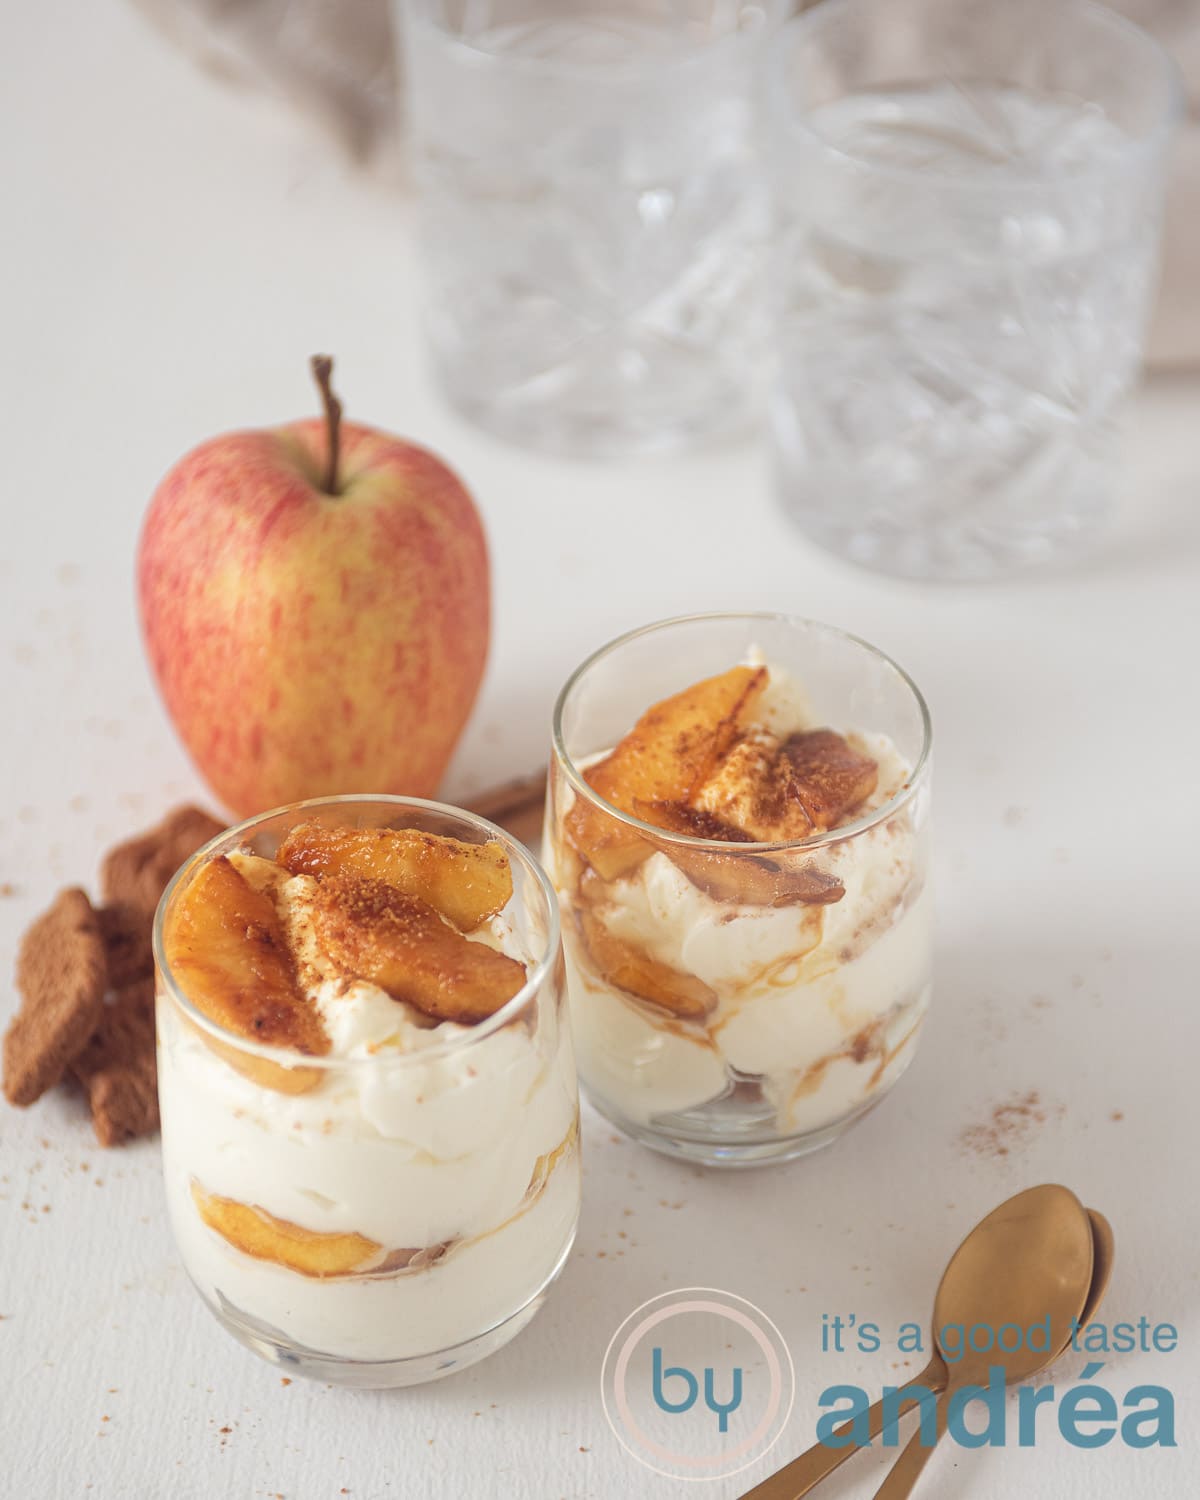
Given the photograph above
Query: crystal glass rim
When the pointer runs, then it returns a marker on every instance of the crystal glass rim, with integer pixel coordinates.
(722, 846)
(539, 971)
(772, 14)
(795, 118)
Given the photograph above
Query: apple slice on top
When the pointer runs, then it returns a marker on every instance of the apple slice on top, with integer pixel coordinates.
(375, 932)
(226, 950)
(466, 883)
(669, 752)
(828, 776)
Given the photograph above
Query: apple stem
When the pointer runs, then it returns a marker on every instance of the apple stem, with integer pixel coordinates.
(322, 368)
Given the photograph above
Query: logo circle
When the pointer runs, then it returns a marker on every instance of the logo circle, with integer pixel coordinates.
(697, 1383)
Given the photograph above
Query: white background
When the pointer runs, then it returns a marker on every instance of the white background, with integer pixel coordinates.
(172, 253)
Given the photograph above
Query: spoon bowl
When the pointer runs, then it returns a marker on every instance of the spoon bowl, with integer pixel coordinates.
(1027, 1265)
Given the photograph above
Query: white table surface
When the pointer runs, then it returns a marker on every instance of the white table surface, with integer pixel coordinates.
(172, 254)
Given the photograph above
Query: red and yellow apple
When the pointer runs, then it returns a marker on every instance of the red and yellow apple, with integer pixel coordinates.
(315, 603)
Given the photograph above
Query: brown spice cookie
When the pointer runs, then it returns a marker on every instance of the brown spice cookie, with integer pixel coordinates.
(137, 872)
(117, 1067)
(61, 974)
(126, 930)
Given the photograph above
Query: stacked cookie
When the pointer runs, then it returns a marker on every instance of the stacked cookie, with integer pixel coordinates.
(86, 978)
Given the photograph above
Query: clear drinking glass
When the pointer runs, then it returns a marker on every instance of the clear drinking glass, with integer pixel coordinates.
(968, 199)
(810, 959)
(389, 1216)
(593, 214)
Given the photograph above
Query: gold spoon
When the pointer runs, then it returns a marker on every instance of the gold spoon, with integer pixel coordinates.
(1104, 1250)
(803, 1474)
(1029, 1260)
(797, 1478)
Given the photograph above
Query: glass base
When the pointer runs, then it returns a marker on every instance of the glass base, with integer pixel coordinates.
(669, 1136)
(632, 428)
(943, 549)
(417, 1369)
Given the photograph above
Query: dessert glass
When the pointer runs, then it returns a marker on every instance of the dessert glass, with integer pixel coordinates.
(456, 1161)
(965, 258)
(817, 998)
(594, 215)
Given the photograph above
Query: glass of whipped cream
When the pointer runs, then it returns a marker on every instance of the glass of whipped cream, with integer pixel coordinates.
(368, 1094)
(738, 832)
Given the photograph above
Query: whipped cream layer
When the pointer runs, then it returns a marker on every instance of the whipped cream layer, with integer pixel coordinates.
(417, 1136)
(819, 1004)
(476, 1287)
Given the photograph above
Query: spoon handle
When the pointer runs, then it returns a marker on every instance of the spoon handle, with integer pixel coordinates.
(796, 1479)
(905, 1472)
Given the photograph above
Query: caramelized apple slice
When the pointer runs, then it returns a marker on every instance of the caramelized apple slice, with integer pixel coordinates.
(226, 951)
(611, 848)
(255, 1232)
(373, 931)
(746, 880)
(738, 879)
(668, 753)
(829, 776)
(694, 822)
(467, 883)
(624, 966)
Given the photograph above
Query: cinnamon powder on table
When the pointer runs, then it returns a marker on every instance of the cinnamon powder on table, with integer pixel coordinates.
(1010, 1126)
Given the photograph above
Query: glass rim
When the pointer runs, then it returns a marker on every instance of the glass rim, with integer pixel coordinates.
(814, 841)
(796, 120)
(539, 970)
(771, 13)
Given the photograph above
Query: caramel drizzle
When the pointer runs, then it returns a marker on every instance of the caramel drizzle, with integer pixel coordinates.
(858, 1049)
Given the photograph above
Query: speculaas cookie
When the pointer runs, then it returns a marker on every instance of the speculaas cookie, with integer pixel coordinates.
(117, 1067)
(61, 975)
(136, 873)
(126, 932)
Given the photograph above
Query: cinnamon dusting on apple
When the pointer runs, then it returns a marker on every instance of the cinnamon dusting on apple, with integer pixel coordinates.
(827, 775)
(665, 757)
(468, 883)
(401, 943)
(399, 927)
